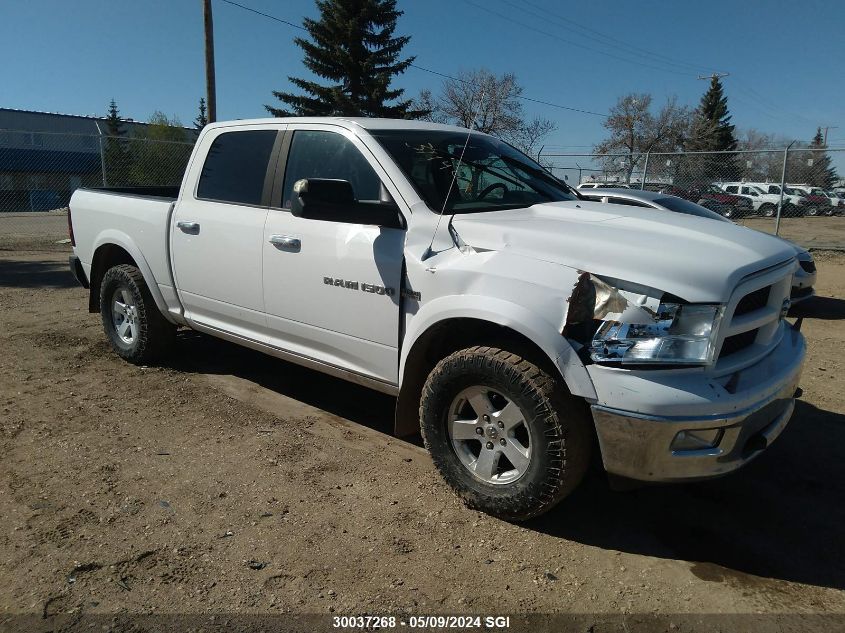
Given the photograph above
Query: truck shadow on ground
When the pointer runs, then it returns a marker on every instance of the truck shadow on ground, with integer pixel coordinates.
(780, 517)
(826, 308)
(35, 274)
(207, 355)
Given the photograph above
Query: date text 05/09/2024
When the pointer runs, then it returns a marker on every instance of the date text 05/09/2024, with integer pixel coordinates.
(372, 622)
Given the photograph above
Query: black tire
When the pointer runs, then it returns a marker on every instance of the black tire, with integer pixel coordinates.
(561, 436)
(768, 210)
(152, 334)
(812, 210)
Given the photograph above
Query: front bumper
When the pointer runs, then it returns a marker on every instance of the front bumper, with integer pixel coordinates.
(638, 444)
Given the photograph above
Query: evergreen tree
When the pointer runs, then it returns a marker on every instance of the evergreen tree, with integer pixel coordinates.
(353, 46)
(713, 132)
(202, 118)
(812, 167)
(116, 152)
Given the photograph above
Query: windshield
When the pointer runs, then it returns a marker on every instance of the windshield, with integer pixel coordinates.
(491, 176)
(679, 205)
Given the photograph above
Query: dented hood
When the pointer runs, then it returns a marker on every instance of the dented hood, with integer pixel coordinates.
(694, 258)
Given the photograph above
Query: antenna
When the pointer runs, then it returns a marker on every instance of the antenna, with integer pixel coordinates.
(428, 252)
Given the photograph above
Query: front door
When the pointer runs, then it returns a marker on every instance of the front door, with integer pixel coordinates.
(332, 289)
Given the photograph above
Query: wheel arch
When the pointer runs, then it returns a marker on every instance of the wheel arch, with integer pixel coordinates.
(462, 328)
(113, 250)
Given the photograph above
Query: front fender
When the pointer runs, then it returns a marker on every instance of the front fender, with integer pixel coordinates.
(507, 314)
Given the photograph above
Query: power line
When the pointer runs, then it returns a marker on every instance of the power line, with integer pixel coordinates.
(619, 44)
(418, 67)
(571, 43)
(266, 15)
(540, 101)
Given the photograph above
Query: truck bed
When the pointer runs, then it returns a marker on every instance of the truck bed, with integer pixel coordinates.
(112, 215)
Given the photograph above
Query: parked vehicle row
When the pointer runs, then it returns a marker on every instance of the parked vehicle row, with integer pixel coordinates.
(805, 276)
(738, 199)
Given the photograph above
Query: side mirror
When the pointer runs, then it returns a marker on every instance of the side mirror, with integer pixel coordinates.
(334, 201)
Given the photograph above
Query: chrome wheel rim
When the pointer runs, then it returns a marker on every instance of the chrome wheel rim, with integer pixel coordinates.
(124, 315)
(489, 434)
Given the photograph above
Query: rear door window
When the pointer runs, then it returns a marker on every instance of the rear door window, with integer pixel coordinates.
(236, 166)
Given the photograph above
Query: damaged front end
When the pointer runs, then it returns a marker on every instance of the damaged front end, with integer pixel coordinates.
(621, 323)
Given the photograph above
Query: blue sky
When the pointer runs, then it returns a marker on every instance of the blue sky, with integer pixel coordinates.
(785, 58)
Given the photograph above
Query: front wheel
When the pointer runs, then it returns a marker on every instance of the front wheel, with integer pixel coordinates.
(133, 324)
(768, 210)
(503, 433)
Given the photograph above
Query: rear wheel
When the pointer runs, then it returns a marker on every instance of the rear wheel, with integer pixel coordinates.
(768, 210)
(503, 433)
(133, 324)
(812, 210)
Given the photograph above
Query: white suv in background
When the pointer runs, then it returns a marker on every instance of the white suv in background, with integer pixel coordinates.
(791, 203)
(764, 203)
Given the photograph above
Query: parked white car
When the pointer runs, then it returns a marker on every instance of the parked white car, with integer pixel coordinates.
(763, 202)
(517, 323)
(818, 202)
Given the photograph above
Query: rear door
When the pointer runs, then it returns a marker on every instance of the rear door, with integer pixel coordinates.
(218, 228)
(332, 289)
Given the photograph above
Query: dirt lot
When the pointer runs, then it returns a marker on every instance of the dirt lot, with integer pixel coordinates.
(229, 482)
(809, 232)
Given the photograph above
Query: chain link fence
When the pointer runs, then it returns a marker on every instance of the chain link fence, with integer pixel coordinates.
(792, 192)
(39, 172)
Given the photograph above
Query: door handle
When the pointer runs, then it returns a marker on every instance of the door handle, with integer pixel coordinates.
(189, 227)
(286, 242)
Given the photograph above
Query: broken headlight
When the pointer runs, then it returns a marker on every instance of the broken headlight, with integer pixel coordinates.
(676, 333)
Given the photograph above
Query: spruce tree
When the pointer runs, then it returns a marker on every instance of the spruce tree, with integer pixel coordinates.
(713, 132)
(820, 173)
(116, 152)
(202, 118)
(353, 47)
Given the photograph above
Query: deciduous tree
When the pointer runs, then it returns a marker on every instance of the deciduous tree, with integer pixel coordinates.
(482, 101)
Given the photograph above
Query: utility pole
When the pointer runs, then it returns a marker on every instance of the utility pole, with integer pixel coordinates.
(826, 128)
(210, 83)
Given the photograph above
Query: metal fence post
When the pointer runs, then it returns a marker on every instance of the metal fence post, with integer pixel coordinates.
(102, 154)
(782, 185)
(645, 170)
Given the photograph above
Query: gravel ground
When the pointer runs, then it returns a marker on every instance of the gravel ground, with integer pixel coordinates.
(229, 482)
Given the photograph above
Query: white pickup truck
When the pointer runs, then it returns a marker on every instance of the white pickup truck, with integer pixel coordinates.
(521, 327)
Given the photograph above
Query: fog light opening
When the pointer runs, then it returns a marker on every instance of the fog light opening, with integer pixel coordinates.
(697, 439)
